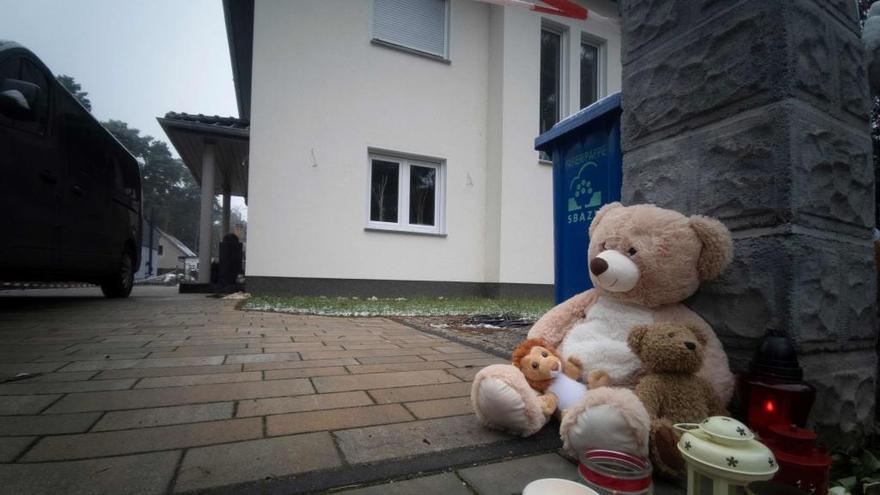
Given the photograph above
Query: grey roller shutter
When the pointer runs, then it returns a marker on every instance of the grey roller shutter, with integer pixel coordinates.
(417, 24)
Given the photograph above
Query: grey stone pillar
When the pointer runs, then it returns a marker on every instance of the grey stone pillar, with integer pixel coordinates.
(206, 220)
(756, 112)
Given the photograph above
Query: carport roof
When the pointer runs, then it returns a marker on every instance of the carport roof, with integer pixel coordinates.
(231, 137)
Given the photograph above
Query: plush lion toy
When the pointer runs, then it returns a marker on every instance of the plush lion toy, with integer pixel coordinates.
(547, 373)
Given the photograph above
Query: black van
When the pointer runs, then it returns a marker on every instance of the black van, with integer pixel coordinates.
(70, 193)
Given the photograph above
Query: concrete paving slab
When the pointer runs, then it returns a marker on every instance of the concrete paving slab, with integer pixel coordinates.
(388, 359)
(304, 372)
(161, 416)
(47, 425)
(376, 380)
(279, 405)
(65, 386)
(60, 377)
(262, 358)
(170, 371)
(440, 484)
(439, 408)
(279, 365)
(510, 477)
(335, 419)
(26, 404)
(425, 392)
(156, 397)
(111, 443)
(142, 474)
(181, 381)
(417, 437)
(12, 447)
(255, 460)
(391, 367)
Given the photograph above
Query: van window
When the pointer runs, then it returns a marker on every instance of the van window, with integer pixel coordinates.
(33, 74)
(125, 183)
(9, 69)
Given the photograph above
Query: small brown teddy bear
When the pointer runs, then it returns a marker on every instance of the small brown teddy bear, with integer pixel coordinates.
(670, 390)
(556, 379)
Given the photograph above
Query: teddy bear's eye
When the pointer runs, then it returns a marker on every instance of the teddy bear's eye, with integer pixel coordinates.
(604, 248)
(671, 334)
(632, 251)
(535, 365)
(543, 354)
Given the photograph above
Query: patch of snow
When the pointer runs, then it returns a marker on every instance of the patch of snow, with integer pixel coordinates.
(238, 296)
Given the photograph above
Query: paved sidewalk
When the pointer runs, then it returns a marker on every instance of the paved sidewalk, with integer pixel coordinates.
(164, 392)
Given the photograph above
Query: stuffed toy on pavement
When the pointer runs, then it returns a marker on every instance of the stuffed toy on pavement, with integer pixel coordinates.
(555, 379)
(670, 390)
(643, 262)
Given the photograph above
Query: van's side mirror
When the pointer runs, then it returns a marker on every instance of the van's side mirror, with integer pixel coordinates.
(18, 98)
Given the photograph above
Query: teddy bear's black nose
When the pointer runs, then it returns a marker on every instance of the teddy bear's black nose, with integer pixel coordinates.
(598, 266)
(690, 345)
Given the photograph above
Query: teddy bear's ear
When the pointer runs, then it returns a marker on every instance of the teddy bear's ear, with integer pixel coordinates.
(635, 338)
(698, 334)
(717, 246)
(601, 213)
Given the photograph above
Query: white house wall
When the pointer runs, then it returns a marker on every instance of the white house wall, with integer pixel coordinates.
(526, 217)
(170, 257)
(314, 115)
(323, 95)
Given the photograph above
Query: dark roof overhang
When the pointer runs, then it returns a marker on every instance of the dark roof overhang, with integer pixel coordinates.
(239, 16)
(231, 139)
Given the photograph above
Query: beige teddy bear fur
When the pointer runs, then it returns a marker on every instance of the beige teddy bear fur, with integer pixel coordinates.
(670, 389)
(644, 262)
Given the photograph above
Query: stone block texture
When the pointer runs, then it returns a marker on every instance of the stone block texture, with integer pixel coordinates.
(756, 112)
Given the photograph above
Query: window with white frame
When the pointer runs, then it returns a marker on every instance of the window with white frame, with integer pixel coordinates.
(591, 71)
(405, 194)
(551, 77)
(418, 25)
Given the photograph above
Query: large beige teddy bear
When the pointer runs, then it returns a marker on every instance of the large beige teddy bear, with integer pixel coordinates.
(643, 262)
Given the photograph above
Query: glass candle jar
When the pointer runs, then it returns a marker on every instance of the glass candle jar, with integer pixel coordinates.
(615, 473)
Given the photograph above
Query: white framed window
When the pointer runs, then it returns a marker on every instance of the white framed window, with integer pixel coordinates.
(421, 26)
(592, 69)
(552, 76)
(406, 194)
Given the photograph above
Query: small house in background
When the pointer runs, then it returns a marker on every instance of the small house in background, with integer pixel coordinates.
(387, 145)
(149, 251)
(173, 254)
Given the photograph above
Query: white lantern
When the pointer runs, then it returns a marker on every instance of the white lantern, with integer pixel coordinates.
(723, 451)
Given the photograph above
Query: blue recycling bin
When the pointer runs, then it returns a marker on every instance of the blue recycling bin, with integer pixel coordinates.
(585, 149)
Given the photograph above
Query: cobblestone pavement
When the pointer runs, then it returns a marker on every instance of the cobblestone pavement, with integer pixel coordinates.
(168, 393)
(164, 392)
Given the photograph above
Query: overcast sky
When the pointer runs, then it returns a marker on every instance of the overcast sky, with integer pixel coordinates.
(138, 59)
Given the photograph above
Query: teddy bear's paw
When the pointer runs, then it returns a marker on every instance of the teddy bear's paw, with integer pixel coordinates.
(664, 451)
(607, 418)
(503, 400)
(599, 427)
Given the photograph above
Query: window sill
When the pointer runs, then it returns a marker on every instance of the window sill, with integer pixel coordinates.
(390, 230)
(395, 46)
(548, 163)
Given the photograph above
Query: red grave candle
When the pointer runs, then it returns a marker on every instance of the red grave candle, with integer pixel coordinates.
(773, 391)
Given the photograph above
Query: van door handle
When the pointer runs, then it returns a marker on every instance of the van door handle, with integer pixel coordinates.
(48, 176)
(77, 190)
